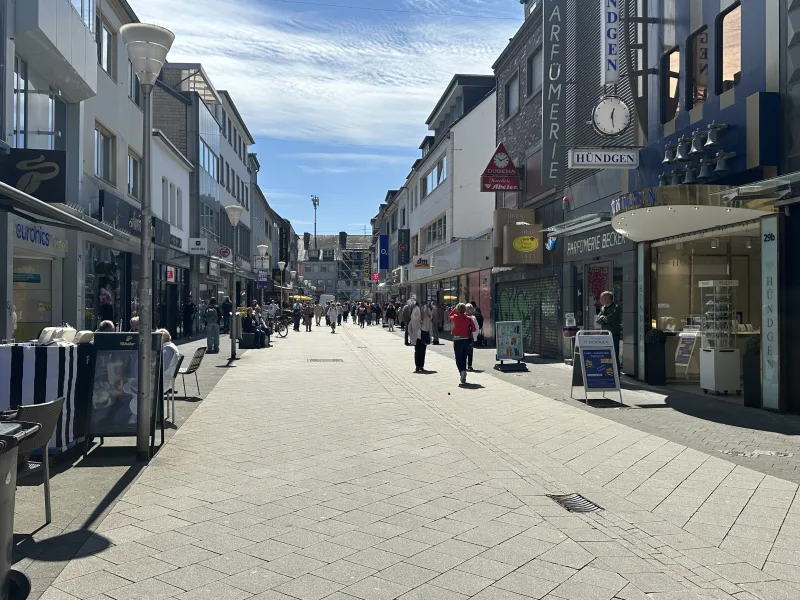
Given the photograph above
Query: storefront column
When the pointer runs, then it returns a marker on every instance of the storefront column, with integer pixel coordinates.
(74, 281)
(7, 280)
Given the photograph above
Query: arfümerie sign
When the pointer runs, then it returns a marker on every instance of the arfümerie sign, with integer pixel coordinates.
(554, 93)
(609, 51)
(603, 158)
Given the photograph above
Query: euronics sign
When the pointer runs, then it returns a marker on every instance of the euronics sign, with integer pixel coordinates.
(603, 158)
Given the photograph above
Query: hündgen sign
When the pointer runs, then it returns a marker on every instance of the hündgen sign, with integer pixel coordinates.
(603, 158)
(634, 200)
(609, 50)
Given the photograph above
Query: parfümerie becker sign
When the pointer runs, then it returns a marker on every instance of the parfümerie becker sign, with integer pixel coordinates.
(603, 158)
(501, 174)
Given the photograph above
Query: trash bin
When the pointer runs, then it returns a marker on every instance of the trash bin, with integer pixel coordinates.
(13, 584)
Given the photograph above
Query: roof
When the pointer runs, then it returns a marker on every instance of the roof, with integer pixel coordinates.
(238, 116)
(171, 147)
(457, 80)
(196, 81)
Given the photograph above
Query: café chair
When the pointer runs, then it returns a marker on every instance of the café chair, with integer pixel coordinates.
(192, 368)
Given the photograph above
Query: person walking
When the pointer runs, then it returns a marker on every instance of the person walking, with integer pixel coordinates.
(368, 314)
(437, 315)
(297, 313)
(332, 314)
(462, 338)
(419, 334)
(339, 312)
(391, 315)
(345, 311)
(318, 312)
(226, 308)
(405, 316)
(474, 319)
(362, 315)
(610, 319)
(212, 318)
(189, 310)
(308, 316)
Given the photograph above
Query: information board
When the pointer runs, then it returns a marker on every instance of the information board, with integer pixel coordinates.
(509, 346)
(598, 363)
(113, 411)
(685, 350)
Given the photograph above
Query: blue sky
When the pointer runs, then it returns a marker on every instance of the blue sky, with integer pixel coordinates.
(336, 97)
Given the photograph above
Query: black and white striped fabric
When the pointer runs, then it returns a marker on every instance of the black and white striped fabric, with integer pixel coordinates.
(37, 374)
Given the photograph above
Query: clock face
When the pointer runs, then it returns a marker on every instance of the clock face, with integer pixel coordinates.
(611, 116)
(501, 160)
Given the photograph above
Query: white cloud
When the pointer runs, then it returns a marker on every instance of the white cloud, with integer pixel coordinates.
(362, 78)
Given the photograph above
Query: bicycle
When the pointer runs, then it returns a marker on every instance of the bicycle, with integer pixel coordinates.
(280, 325)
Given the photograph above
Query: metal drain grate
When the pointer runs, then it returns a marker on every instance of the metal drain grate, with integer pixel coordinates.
(325, 360)
(757, 453)
(575, 503)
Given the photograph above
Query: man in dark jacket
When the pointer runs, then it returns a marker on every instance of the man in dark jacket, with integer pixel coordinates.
(610, 319)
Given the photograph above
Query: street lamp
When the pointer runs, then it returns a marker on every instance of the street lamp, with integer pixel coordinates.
(282, 266)
(315, 202)
(234, 212)
(291, 278)
(147, 46)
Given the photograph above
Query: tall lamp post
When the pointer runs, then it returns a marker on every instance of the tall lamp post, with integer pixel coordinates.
(147, 46)
(315, 202)
(292, 275)
(262, 251)
(282, 267)
(234, 212)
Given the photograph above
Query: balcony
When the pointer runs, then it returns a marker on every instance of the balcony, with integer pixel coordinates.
(57, 44)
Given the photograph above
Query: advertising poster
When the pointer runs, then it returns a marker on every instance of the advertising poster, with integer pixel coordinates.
(113, 410)
(686, 343)
(598, 368)
(509, 340)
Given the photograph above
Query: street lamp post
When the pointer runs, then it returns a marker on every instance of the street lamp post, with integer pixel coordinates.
(291, 278)
(147, 47)
(282, 266)
(234, 212)
(315, 202)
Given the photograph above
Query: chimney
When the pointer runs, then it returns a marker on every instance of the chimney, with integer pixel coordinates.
(306, 240)
(343, 240)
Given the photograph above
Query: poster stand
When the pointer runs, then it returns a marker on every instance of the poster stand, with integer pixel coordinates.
(509, 347)
(113, 406)
(598, 371)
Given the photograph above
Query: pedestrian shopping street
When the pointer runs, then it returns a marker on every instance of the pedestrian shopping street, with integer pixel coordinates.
(325, 468)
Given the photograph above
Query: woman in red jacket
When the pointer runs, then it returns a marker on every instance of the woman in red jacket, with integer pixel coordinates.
(462, 338)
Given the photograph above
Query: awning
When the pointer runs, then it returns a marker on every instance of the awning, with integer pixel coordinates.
(459, 258)
(778, 191)
(23, 205)
(579, 225)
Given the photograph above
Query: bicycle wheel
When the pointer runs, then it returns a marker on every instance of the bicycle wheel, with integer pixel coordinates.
(281, 329)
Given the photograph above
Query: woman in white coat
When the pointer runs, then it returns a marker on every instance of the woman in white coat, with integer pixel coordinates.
(331, 314)
(419, 333)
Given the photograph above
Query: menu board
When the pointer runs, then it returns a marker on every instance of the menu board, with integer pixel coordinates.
(686, 344)
(509, 340)
(598, 368)
(113, 411)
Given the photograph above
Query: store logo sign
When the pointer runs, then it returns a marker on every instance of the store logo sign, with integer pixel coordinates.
(634, 200)
(33, 234)
(595, 242)
(609, 52)
(38, 173)
(770, 340)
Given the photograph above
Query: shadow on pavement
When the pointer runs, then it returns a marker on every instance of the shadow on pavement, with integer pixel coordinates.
(471, 386)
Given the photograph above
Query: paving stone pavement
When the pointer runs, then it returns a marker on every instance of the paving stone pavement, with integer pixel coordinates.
(361, 480)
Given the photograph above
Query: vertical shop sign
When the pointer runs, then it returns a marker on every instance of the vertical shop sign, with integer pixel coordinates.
(554, 96)
(403, 246)
(283, 245)
(609, 52)
(770, 348)
(640, 313)
(383, 261)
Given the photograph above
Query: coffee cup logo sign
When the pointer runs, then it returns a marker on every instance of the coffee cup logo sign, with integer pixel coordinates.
(526, 244)
(38, 170)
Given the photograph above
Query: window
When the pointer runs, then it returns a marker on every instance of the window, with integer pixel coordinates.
(533, 83)
(729, 29)
(238, 189)
(327, 254)
(320, 285)
(415, 245)
(134, 89)
(534, 185)
(134, 175)
(20, 102)
(223, 121)
(512, 97)
(697, 48)
(670, 88)
(434, 177)
(179, 209)
(209, 161)
(208, 220)
(403, 217)
(436, 232)
(173, 205)
(104, 154)
(106, 46)
(246, 198)
(228, 176)
(230, 137)
(394, 222)
(164, 199)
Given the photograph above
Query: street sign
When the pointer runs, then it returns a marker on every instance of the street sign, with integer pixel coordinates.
(224, 251)
(198, 246)
(598, 363)
(500, 175)
(261, 262)
(376, 277)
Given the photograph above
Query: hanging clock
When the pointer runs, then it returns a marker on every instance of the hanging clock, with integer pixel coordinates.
(611, 116)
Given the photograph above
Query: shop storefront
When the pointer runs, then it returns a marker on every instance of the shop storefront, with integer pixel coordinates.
(111, 286)
(597, 261)
(714, 282)
(37, 285)
(170, 290)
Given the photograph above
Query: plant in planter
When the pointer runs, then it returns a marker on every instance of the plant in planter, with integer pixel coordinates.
(655, 357)
(751, 371)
